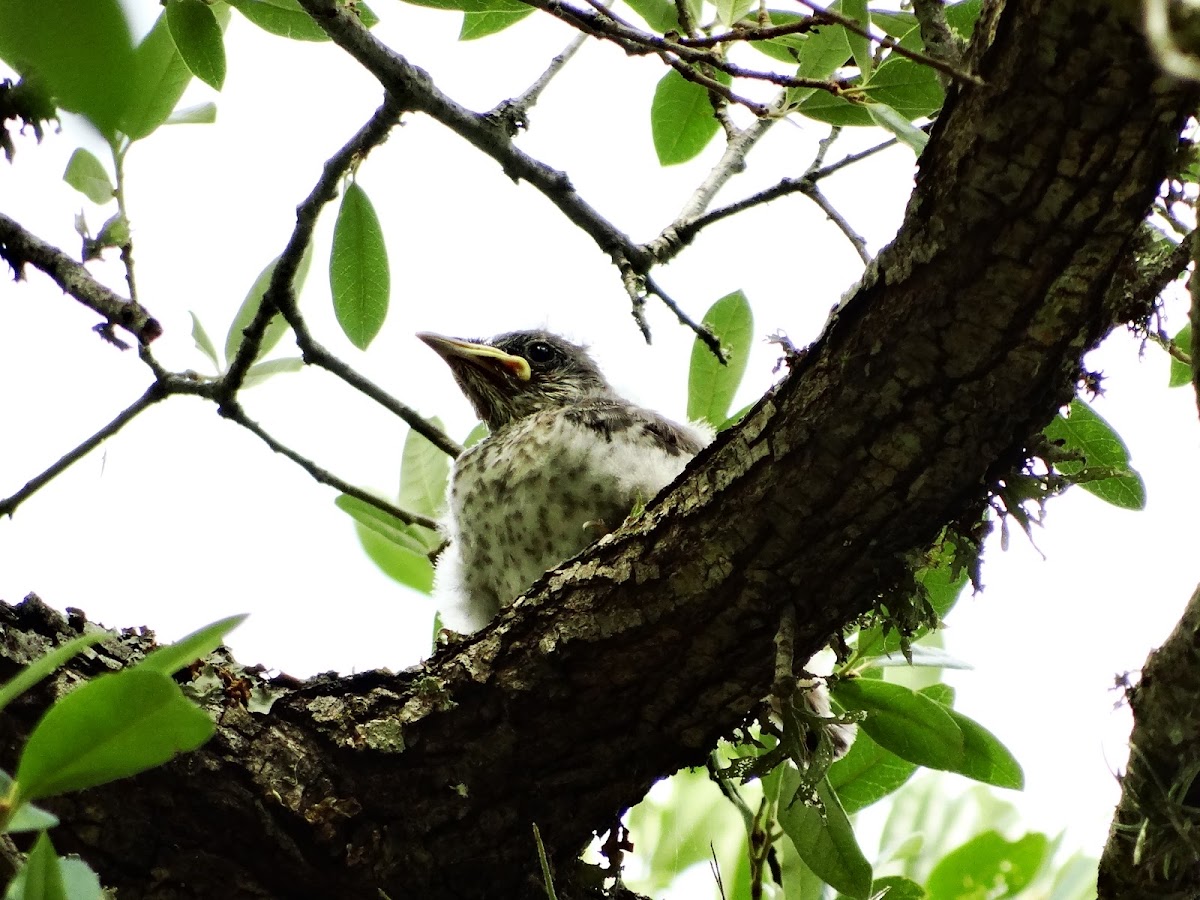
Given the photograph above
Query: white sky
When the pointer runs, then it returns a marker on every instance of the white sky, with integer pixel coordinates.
(184, 518)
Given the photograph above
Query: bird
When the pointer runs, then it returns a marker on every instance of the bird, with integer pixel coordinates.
(565, 461)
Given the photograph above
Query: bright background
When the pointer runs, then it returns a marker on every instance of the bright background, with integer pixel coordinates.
(184, 518)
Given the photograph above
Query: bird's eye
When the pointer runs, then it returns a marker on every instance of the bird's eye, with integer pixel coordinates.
(539, 352)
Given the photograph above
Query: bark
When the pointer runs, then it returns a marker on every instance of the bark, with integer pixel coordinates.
(628, 662)
(1153, 851)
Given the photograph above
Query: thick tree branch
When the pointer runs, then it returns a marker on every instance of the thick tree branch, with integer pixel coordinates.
(1153, 849)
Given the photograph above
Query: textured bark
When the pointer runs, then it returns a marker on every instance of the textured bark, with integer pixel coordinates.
(628, 662)
(1153, 852)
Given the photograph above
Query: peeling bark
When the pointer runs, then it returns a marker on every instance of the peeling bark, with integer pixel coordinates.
(629, 661)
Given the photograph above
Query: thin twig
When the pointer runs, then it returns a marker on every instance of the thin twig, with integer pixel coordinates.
(736, 34)
(892, 44)
(853, 158)
(18, 247)
(234, 412)
(701, 331)
(118, 157)
(153, 394)
(860, 244)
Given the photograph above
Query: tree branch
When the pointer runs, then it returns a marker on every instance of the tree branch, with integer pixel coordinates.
(19, 247)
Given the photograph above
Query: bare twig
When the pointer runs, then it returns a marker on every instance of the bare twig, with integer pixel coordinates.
(515, 111)
(701, 331)
(280, 297)
(234, 412)
(765, 33)
(860, 244)
(153, 394)
(853, 158)
(892, 44)
(18, 247)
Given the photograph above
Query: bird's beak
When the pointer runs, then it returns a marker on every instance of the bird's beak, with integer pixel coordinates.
(483, 356)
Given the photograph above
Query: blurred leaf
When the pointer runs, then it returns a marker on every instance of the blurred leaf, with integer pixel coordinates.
(260, 372)
(285, 18)
(424, 474)
(1076, 879)
(160, 77)
(277, 327)
(1181, 374)
(908, 87)
(198, 38)
(898, 888)
(28, 817)
(901, 720)
(44, 665)
(358, 267)
(203, 342)
(682, 120)
(886, 117)
(860, 46)
(200, 114)
(80, 882)
(79, 51)
(711, 384)
(86, 174)
(40, 878)
(477, 434)
(170, 659)
(825, 842)
(867, 773)
(109, 728)
(1085, 432)
(922, 655)
(660, 15)
(493, 16)
(399, 562)
(730, 11)
(988, 866)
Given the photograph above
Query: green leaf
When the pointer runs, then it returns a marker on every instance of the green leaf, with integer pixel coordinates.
(682, 120)
(711, 384)
(908, 133)
(110, 728)
(382, 523)
(789, 48)
(835, 110)
(28, 817)
(909, 88)
(199, 39)
(400, 562)
(491, 17)
(867, 773)
(424, 474)
(79, 51)
(660, 15)
(277, 327)
(1086, 432)
(1181, 373)
(80, 881)
(260, 372)
(922, 656)
(203, 342)
(86, 174)
(894, 24)
(897, 887)
(984, 758)
(358, 268)
(730, 11)
(988, 866)
(44, 665)
(477, 434)
(40, 878)
(825, 843)
(200, 114)
(170, 659)
(159, 79)
(860, 46)
(826, 49)
(285, 18)
(901, 720)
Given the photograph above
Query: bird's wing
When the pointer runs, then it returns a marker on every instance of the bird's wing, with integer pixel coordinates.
(618, 419)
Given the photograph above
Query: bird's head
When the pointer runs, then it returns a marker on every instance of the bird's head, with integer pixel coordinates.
(520, 373)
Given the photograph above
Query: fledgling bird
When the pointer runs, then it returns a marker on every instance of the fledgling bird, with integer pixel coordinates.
(566, 460)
